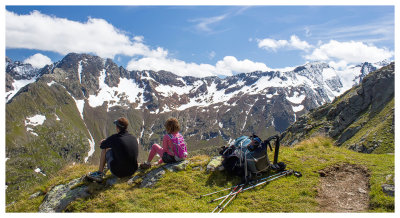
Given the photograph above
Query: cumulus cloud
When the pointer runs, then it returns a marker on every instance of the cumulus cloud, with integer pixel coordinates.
(44, 32)
(97, 36)
(351, 52)
(226, 67)
(230, 65)
(293, 43)
(38, 60)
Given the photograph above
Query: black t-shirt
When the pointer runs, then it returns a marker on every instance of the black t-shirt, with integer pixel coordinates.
(125, 152)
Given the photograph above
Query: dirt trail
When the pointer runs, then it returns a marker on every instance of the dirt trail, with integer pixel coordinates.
(344, 188)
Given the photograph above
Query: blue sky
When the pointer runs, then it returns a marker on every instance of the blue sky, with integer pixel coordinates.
(202, 40)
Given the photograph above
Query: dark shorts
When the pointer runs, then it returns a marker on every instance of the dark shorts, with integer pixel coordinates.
(109, 159)
(168, 158)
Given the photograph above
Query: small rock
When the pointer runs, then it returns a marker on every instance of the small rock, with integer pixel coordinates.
(389, 177)
(133, 179)
(111, 181)
(362, 191)
(388, 189)
(175, 167)
(197, 168)
(36, 194)
(215, 164)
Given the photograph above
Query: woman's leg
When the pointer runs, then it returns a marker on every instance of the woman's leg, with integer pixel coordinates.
(155, 149)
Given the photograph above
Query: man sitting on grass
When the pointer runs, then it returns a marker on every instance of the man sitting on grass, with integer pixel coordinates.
(120, 151)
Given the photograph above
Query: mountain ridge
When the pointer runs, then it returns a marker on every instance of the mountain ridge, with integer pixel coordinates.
(361, 119)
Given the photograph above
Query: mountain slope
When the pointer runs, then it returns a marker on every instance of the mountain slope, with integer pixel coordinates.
(362, 119)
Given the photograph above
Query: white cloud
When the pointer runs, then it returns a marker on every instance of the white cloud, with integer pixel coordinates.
(44, 32)
(296, 43)
(226, 67)
(38, 60)
(175, 66)
(203, 24)
(271, 44)
(230, 65)
(352, 52)
(293, 43)
(138, 38)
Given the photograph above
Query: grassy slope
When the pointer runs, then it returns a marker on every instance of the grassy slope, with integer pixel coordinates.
(67, 138)
(175, 192)
(376, 128)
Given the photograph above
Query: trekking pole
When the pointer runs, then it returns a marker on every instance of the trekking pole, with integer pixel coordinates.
(278, 174)
(242, 190)
(226, 197)
(261, 183)
(215, 192)
(231, 199)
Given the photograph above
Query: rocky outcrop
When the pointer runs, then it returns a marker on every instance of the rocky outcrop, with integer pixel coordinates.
(58, 198)
(154, 175)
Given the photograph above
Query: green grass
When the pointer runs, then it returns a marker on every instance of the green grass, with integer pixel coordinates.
(176, 192)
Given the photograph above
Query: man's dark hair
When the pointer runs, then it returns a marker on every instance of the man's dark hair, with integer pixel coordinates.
(122, 123)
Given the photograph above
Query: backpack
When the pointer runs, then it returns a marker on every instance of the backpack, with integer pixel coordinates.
(180, 150)
(243, 159)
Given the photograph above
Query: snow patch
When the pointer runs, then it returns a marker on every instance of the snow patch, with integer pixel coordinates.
(296, 98)
(38, 170)
(35, 120)
(51, 83)
(297, 108)
(328, 73)
(92, 146)
(126, 92)
(18, 84)
(80, 104)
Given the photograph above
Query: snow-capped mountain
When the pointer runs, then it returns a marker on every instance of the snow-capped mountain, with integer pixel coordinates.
(94, 82)
(18, 75)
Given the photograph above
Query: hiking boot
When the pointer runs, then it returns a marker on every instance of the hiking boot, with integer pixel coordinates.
(145, 165)
(96, 176)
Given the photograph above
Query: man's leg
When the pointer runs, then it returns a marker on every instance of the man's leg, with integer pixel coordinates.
(98, 175)
(103, 159)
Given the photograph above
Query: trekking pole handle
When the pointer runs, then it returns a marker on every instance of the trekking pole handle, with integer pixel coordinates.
(297, 174)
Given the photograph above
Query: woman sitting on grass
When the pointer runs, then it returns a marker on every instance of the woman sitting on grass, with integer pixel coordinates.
(173, 149)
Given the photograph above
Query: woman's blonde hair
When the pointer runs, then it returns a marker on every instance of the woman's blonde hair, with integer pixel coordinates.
(172, 125)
